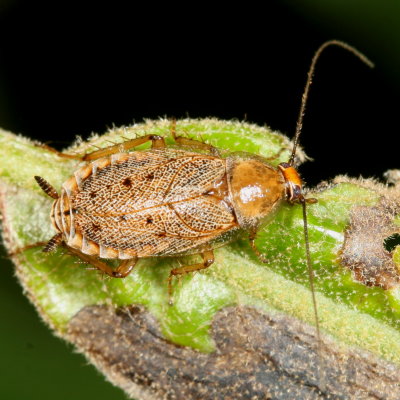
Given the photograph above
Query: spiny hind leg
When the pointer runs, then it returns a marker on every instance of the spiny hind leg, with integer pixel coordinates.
(208, 259)
(191, 143)
(157, 142)
(122, 271)
(20, 250)
(48, 246)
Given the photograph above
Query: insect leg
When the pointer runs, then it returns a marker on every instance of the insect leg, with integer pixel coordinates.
(123, 270)
(54, 242)
(191, 143)
(208, 259)
(27, 247)
(59, 153)
(49, 246)
(157, 142)
(277, 155)
(260, 256)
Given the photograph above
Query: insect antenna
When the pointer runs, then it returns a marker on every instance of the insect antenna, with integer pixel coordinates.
(309, 81)
(295, 194)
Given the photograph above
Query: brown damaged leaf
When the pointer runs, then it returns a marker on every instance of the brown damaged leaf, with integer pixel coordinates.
(392, 176)
(363, 250)
(258, 356)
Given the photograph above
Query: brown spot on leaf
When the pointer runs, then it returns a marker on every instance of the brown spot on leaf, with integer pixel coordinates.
(364, 251)
(392, 176)
(257, 356)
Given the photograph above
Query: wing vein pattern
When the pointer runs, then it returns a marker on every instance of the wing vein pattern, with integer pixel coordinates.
(154, 203)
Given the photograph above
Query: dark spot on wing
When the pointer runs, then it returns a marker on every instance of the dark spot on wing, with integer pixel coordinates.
(96, 228)
(127, 182)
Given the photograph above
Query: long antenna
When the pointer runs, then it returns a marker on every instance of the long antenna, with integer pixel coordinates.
(294, 184)
(310, 76)
(320, 371)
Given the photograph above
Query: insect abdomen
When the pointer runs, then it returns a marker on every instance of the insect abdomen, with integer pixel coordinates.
(62, 215)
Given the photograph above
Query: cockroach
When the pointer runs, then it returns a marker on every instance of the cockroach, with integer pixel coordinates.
(173, 201)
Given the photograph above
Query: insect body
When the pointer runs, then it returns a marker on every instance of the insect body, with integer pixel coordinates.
(172, 201)
(165, 202)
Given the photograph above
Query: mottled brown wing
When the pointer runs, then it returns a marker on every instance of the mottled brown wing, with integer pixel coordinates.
(154, 203)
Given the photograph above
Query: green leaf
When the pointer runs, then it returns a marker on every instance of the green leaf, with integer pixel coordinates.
(60, 285)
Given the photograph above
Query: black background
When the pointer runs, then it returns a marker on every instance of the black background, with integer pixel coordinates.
(72, 68)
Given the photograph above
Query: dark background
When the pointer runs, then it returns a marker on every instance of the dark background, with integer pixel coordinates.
(72, 68)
